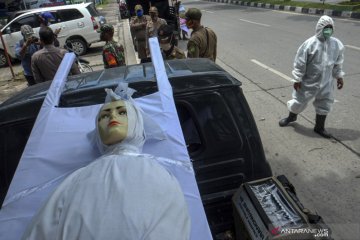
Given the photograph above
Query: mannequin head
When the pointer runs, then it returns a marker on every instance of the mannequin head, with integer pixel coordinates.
(113, 122)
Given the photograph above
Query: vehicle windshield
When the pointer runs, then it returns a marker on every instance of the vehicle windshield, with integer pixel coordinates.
(92, 10)
(12, 15)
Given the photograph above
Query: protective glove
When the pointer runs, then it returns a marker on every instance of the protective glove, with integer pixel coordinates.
(340, 83)
(297, 86)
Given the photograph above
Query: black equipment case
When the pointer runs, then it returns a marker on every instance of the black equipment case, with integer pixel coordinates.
(269, 209)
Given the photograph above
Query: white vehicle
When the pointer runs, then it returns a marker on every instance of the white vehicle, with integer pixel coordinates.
(79, 23)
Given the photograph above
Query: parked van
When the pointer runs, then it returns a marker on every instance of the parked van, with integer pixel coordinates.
(79, 23)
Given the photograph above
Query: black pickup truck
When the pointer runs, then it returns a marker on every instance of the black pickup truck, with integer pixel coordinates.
(220, 132)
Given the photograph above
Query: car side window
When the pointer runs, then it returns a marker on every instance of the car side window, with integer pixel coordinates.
(31, 20)
(69, 14)
(12, 145)
(56, 17)
(208, 124)
(188, 126)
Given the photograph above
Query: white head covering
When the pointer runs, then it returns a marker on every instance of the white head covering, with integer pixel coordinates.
(323, 22)
(135, 138)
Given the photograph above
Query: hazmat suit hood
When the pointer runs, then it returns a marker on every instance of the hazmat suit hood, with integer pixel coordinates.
(323, 22)
(135, 138)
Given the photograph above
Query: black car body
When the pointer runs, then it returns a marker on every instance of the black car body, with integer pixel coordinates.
(220, 133)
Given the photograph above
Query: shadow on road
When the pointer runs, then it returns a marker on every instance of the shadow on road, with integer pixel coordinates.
(94, 50)
(345, 134)
(340, 134)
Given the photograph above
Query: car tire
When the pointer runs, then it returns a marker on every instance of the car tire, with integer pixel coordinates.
(79, 46)
(3, 59)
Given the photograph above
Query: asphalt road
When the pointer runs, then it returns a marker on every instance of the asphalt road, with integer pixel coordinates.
(258, 47)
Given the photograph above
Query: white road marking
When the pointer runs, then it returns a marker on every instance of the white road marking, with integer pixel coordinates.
(261, 24)
(207, 11)
(353, 47)
(272, 70)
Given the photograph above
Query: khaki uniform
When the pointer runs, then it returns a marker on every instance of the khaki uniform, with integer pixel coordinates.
(176, 53)
(153, 27)
(138, 28)
(201, 46)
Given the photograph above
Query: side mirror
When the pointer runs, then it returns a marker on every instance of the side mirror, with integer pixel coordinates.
(8, 30)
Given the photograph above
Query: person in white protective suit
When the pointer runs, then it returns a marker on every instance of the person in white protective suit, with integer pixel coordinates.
(317, 64)
(121, 195)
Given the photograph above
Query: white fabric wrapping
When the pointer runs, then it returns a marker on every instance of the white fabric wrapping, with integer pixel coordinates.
(119, 196)
(122, 194)
(59, 144)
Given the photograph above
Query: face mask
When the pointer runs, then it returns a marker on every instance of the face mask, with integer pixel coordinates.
(139, 13)
(189, 23)
(153, 16)
(327, 32)
(165, 46)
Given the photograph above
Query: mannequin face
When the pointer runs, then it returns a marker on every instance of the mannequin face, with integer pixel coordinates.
(113, 122)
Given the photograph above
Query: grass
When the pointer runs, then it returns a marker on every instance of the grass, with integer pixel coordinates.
(103, 4)
(343, 6)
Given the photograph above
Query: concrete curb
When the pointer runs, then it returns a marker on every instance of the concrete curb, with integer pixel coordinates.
(125, 39)
(329, 12)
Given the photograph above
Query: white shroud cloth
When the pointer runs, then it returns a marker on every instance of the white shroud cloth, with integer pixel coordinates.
(128, 196)
(121, 195)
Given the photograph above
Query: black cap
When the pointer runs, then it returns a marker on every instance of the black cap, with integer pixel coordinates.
(165, 31)
(193, 14)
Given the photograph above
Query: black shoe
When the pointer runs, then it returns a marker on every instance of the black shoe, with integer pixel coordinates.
(322, 132)
(285, 121)
(320, 126)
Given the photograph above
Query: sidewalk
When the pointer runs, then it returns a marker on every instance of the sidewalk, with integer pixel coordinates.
(329, 12)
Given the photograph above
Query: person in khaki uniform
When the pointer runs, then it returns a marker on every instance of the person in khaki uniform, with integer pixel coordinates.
(138, 26)
(203, 40)
(168, 49)
(155, 23)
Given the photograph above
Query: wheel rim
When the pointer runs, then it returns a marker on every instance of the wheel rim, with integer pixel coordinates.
(78, 47)
(2, 59)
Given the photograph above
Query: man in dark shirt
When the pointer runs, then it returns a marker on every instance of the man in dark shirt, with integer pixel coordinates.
(45, 62)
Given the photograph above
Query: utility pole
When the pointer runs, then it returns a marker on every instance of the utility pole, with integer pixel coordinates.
(7, 55)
